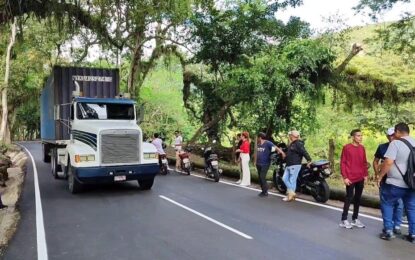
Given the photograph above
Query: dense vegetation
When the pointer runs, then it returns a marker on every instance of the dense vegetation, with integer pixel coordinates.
(214, 69)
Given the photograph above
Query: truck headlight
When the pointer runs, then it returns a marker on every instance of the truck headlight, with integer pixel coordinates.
(150, 156)
(84, 158)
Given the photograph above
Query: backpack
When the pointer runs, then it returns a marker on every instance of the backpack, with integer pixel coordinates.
(409, 176)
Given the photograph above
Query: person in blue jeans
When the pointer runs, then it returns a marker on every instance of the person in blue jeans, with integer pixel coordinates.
(293, 158)
(377, 161)
(395, 188)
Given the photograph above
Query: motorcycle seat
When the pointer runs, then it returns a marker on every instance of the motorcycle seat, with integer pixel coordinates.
(320, 163)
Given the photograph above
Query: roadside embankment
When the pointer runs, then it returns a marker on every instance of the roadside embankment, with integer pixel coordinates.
(370, 201)
(10, 194)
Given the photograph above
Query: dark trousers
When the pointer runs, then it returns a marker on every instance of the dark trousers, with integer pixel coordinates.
(357, 189)
(262, 174)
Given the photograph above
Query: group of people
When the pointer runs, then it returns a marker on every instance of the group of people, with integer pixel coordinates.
(390, 165)
(293, 157)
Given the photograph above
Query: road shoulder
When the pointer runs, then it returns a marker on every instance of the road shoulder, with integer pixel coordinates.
(9, 217)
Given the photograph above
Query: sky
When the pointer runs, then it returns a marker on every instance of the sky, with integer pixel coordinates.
(313, 11)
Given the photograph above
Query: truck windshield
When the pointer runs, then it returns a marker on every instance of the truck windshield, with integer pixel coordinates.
(105, 111)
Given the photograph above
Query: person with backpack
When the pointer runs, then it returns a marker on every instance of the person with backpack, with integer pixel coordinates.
(399, 165)
(377, 163)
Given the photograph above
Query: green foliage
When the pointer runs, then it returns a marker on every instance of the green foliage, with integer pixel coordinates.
(161, 94)
(398, 37)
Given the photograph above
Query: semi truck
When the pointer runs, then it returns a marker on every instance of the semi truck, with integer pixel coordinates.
(90, 132)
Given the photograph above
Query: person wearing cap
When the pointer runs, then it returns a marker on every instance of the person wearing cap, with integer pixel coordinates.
(354, 170)
(377, 164)
(293, 158)
(263, 161)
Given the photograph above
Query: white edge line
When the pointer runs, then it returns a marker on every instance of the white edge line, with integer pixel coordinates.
(207, 218)
(299, 200)
(42, 251)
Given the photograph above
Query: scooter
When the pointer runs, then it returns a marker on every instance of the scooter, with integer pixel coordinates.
(212, 169)
(164, 164)
(310, 180)
(185, 163)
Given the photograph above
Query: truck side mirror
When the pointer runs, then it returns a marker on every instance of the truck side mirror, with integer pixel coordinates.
(140, 114)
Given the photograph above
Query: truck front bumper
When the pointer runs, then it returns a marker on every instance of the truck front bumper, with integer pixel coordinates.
(106, 174)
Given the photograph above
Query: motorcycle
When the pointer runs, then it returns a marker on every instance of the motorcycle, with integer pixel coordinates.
(185, 163)
(310, 180)
(164, 164)
(212, 169)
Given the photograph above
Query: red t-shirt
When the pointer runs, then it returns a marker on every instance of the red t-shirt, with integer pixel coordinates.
(245, 147)
(353, 163)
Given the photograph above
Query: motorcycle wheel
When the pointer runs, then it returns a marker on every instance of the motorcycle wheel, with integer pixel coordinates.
(321, 193)
(216, 175)
(188, 170)
(164, 170)
(278, 182)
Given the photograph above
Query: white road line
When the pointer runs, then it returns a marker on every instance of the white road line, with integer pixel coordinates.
(207, 218)
(42, 251)
(299, 200)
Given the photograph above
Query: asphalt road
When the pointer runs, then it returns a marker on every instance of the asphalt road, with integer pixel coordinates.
(185, 217)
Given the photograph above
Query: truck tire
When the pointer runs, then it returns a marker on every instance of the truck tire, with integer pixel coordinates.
(73, 184)
(46, 153)
(54, 163)
(146, 184)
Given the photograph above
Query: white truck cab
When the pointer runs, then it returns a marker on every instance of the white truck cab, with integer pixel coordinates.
(93, 140)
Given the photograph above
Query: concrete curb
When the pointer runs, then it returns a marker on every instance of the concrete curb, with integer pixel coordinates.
(10, 217)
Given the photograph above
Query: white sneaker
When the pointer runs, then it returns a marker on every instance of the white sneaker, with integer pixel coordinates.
(357, 223)
(345, 224)
(239, 182)
(285, 199)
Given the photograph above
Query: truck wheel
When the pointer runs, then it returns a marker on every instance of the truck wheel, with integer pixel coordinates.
(45, 152)
(146, 184)
(54, 163)
(73, 184)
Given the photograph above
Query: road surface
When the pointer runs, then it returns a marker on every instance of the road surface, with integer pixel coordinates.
(183, 217)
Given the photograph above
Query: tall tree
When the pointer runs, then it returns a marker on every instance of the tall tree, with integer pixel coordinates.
(4, 127)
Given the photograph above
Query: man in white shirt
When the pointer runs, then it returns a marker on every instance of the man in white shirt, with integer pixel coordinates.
(158, 143)
(178, 143)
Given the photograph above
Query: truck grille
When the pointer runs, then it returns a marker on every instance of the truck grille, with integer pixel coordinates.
(120, 147)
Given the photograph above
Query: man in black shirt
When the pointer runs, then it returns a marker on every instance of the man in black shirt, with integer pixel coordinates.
(293, 158)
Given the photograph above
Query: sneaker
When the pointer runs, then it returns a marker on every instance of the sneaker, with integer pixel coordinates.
(285, 199)
(345, 224)
(239, 182)
(387, 235)
(397, 231)
(405, 220)
(410, 238)
(357, 223)
(263, 194)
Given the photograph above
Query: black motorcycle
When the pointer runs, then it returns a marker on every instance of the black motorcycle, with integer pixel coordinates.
(310, 180)
(212, 169)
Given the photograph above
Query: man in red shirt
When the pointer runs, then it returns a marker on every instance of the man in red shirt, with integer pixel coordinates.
(354, 168)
